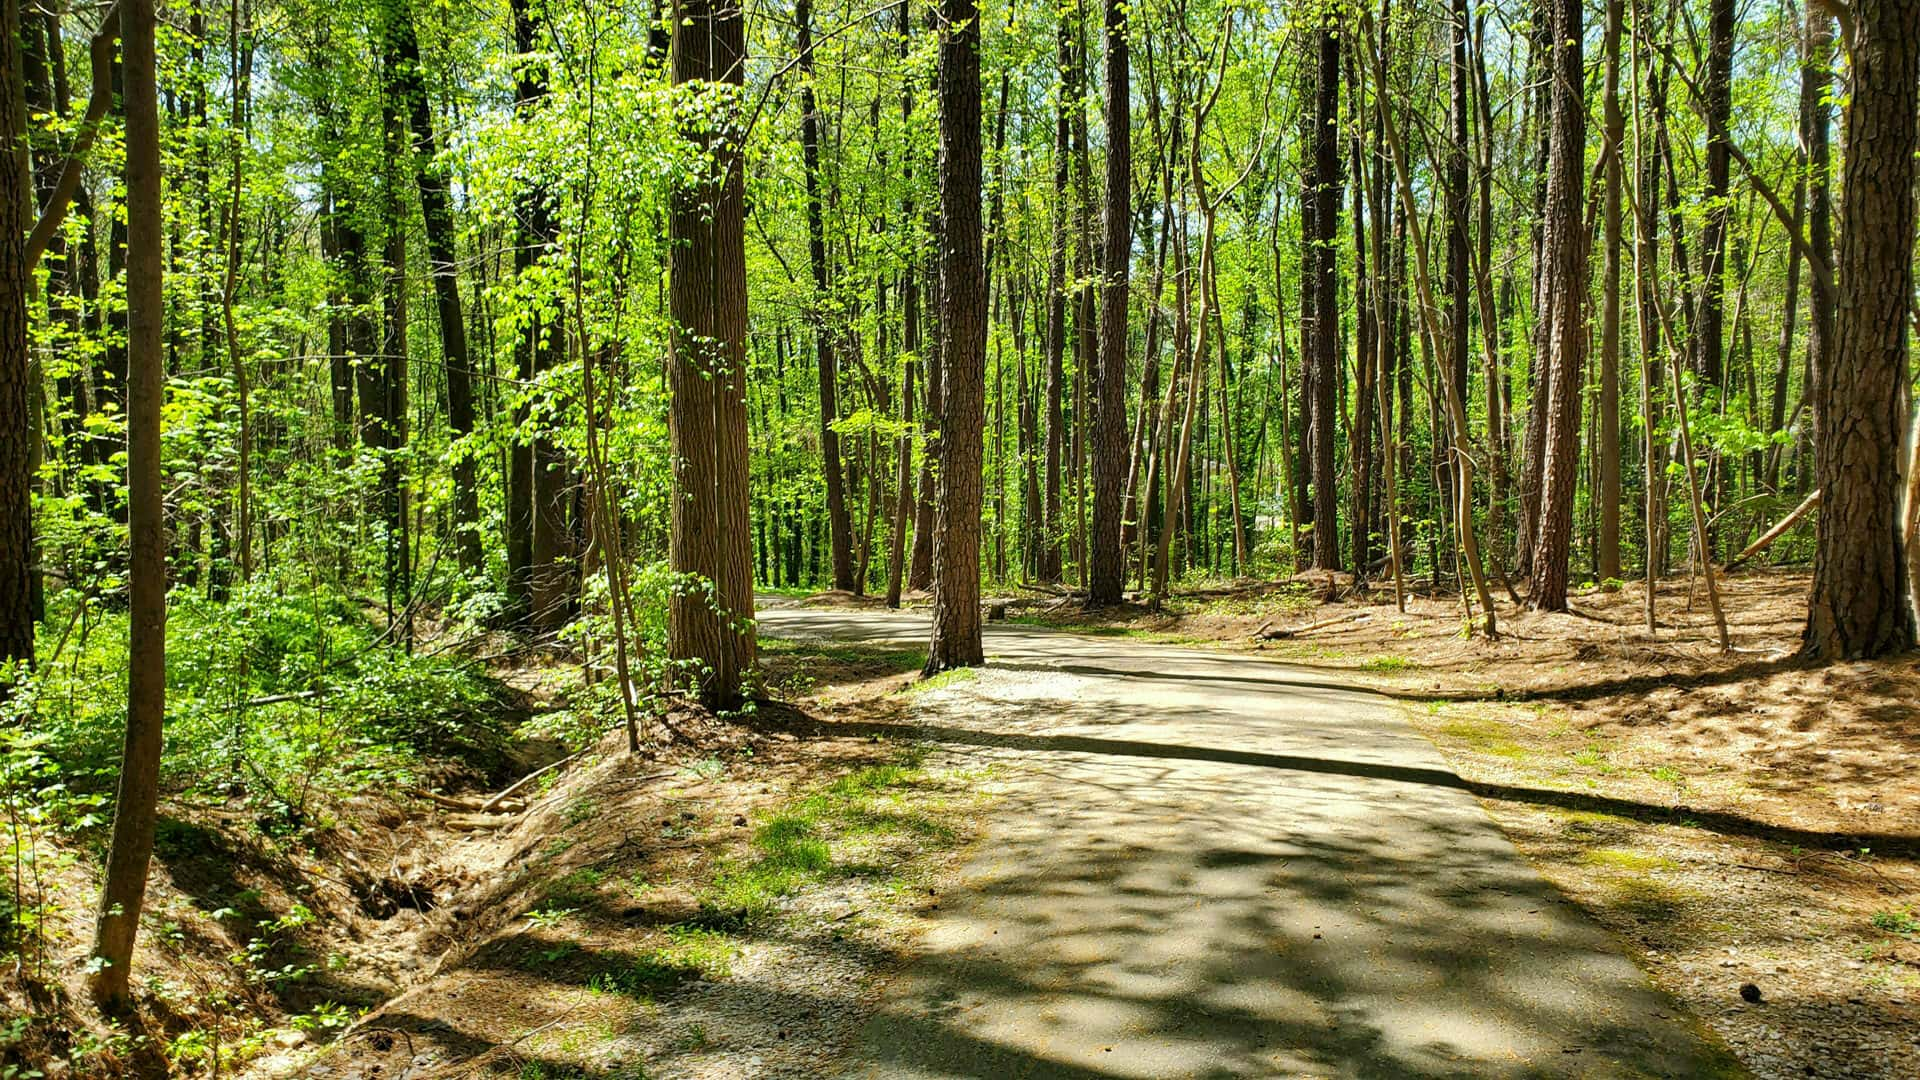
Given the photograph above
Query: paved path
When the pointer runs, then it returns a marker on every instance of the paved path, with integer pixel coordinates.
(1214, 865)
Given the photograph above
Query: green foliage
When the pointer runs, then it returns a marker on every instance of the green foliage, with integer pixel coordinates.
(279, 697)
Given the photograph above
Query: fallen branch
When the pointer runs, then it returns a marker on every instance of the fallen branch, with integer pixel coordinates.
(1775, 533)
(492, 804)
(471, 805)
(276, 699)
(1268, 632)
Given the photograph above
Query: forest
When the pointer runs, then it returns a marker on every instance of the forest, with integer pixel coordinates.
(402, 401)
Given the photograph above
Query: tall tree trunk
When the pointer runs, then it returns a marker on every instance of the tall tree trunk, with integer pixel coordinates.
(1710, 336)
(1564, 247)
(1815, 94)
(1057, 306)
(391, 420)
(1459, 273)
(707, 419)
(963, 325)
(16, 382)
(1607, 445)
(910, 342)
(1325, 357)
(839, 523)
(123, 890)
(1859, 607)
(437, 211)
(1107, 560)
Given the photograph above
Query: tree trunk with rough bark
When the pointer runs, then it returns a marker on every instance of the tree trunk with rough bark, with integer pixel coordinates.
(1859, 608)
(963, 325)
(710, 628)
(1564, 248)
(1107, 560)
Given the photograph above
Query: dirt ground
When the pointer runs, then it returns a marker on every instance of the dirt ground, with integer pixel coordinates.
(1745, 822)
(633, 923)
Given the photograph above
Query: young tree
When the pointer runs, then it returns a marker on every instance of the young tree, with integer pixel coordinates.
(963, 324)
(124, 887)
(711, 623)
(1859, 608)
(1106, 557)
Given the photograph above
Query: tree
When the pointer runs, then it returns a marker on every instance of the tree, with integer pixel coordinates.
(1563, 250)
(124, 888)
(710, 622)
(839, 527)
(963, 324)
(16, 435)
(1107, 558)
(437, 211)
(1324, 356)
(1607, 462)
(1859, 608)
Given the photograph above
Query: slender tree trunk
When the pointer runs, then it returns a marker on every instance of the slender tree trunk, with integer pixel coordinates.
(1325, 356)
(124, 888)
(1815, 94)
(1608, 441)
(956, 557)
(1859, 606)
(16, 382)
(707, 421)
(910, 342)
(839, 523)
(1057, 309)
(437, 211)
(1107, 558)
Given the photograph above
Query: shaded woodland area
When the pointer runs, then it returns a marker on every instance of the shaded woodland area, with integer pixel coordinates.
(350, 351)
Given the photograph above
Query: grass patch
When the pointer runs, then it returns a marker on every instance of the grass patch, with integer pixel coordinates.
(944, 679)
(845, 653)
(1387, 662)
(576, 889)
(1486, 736)
(689, 953)
(1626, 859)
(820, 836)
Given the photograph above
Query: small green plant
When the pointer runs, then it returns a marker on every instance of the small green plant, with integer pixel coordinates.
(1896, 921)
(1386, 663)
(578, 811)
(326, 1017)
(689, 953)
(575, 889)
(546, 918)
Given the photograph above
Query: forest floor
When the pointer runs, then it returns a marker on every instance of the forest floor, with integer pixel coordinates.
(1735, 818)
(726, 909)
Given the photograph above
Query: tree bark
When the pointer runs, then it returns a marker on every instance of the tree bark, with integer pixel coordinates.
(839, 523)
(123, 891)
(1858, 608)
(1564, 289)
(1107, 560)
(1607, 446)
(16, 382)
(442, 257)
(710, 628)
(963, 325)
(1325, 333)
